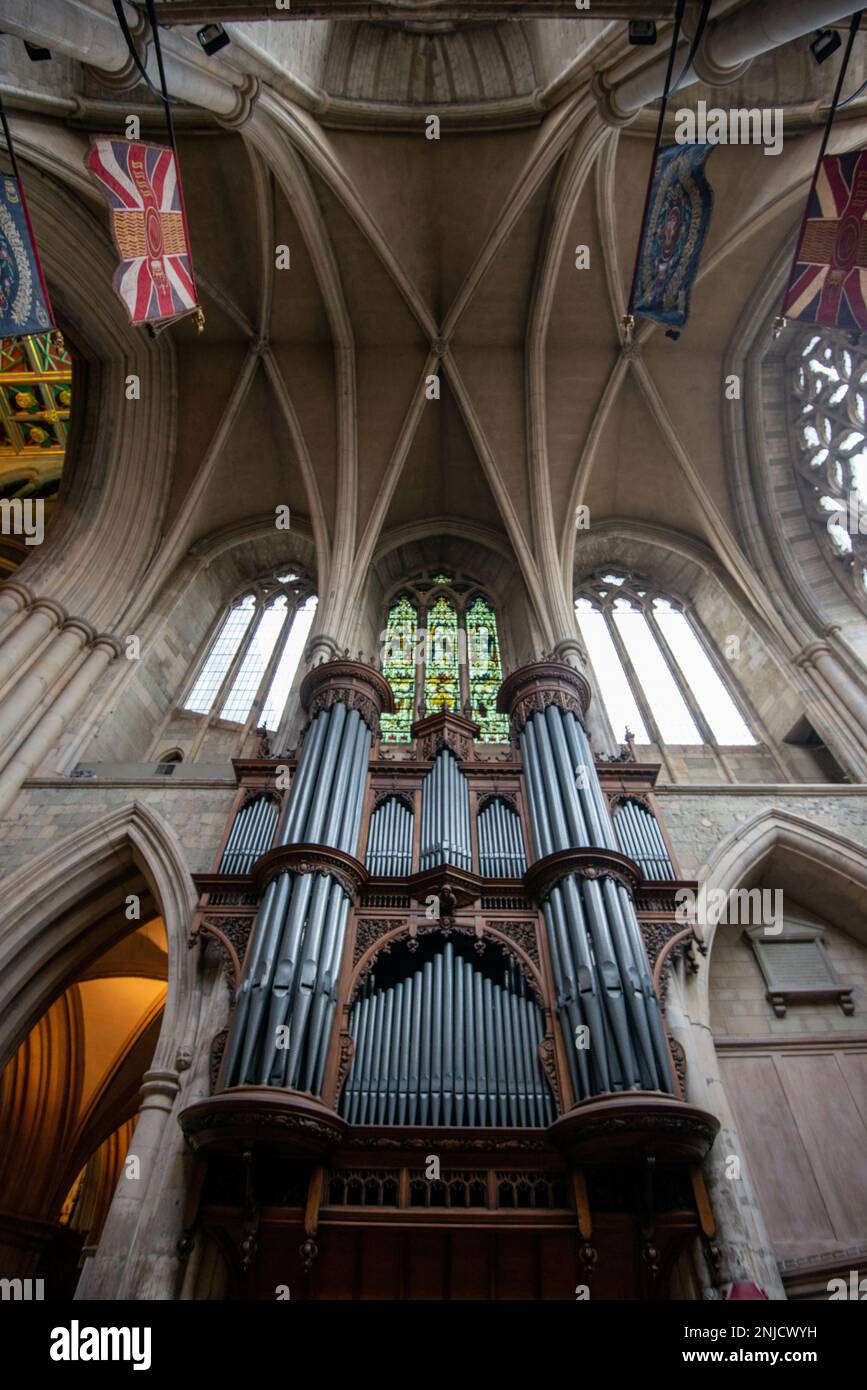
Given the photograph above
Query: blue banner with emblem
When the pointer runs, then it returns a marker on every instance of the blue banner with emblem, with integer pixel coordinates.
(24, 307)
(679, 209)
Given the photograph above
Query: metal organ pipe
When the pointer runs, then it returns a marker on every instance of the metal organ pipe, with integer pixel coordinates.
(600, 966)
(445, 823)
(501, 849)
(291, 975)
(447, 1046)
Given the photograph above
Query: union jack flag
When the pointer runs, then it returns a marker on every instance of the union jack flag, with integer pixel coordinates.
(828, 284)
(155, 278)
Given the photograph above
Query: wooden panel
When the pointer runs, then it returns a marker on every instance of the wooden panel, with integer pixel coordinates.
(853, 1065)
(779, 1166)
(516, 1265)
(468, 1267)
(834, 1136)
(424, 1276)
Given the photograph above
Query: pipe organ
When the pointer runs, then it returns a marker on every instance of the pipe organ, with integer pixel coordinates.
(447, 1044)
(639, 836)
(251, 834)
(501, 845)
(445, 945)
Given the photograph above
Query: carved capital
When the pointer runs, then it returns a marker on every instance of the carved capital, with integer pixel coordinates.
(531, 689)
(311, 859)
(445, 730)
(348, 683)
(546, 873)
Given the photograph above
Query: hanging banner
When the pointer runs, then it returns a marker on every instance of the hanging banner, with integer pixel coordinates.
(828, 284)
(155, 278)
(679, 209)
(24, 307)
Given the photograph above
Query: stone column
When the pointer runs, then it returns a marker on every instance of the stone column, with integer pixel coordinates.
(49, 729)
(13, 598)
(820, 656)
(27, 636)
(57, 657)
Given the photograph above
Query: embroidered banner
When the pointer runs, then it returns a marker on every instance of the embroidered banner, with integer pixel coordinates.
(828, 284)
(155, 278)
(679, 209)
(24, 307)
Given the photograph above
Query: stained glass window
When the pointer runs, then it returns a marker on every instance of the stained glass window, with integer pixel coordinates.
(442, 677)
(485, 671)
(398, 667)
(442, 652)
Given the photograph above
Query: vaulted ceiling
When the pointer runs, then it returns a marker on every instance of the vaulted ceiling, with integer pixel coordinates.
(412, 257)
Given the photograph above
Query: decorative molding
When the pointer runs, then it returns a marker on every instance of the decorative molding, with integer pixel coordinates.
(509, 798)
(231, 934)
(546, 873)
(547, 1058)
(368, 931)
(350, 873)
(445, 730)
(346, 1052)
(218, 1047)
(524, 934)
(531, 689)
(405, 799)
(349, 683)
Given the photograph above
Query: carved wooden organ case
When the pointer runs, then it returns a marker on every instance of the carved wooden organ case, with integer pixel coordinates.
(447, 965)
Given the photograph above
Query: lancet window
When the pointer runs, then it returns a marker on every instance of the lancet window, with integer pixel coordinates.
(252, 656)
(441, 650)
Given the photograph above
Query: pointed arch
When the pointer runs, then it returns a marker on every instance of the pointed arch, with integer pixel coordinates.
(51, 927)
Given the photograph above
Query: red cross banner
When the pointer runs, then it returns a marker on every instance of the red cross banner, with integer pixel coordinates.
(828, 285)
(155, 278)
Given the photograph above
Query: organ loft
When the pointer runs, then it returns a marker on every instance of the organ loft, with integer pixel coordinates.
(433, 658)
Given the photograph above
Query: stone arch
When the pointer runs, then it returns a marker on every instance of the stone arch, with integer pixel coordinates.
(44, 936)
(119, 455)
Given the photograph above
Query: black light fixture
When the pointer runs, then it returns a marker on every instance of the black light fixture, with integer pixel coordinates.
(37, 54)
(642, 31)
(212, 37)
(826, 42)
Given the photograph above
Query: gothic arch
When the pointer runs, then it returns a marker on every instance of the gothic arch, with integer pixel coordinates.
(120, 451)
(829, 867)
(44, 921)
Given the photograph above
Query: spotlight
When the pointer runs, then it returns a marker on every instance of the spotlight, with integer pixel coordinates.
(642, 31)
(826, 42)
(212, 37)
(37, 54)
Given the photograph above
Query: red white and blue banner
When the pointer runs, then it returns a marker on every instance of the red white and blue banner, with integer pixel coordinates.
(155, 278)
(24, 305)
(828, 285)
(679, 209)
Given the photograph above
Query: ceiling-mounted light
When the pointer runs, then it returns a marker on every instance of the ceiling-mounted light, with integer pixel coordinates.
(212, 37)
(826, 42)
(37, 54)
(642, 31)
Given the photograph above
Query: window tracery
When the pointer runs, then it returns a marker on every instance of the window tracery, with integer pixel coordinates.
(252, 656)
(656, 675)
(442, 651)
(831, 437)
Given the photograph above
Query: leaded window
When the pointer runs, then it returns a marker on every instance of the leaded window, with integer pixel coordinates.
(252, 657)
(830, 427)
(442, 651)
(657, 675)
